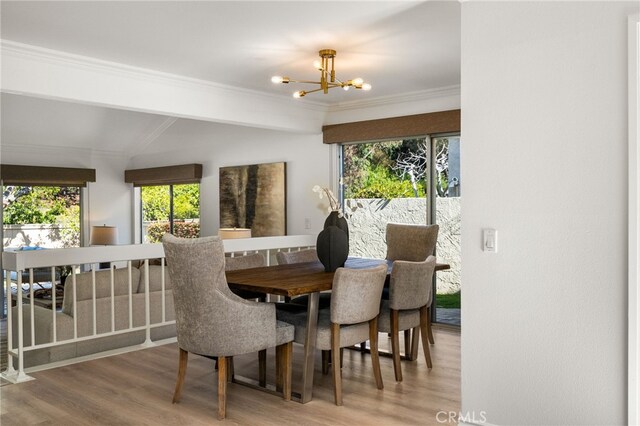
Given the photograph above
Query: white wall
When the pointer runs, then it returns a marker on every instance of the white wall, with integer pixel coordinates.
(544, 124)
(217, 145)
(108, 199)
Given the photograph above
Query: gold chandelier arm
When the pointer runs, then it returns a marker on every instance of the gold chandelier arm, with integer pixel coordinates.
(304, 81)
(306, 92)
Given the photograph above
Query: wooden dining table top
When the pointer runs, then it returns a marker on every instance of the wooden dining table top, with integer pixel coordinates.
(298, 278)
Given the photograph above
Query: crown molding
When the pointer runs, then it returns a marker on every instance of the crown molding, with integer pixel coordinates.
(56, 57)
(401, 98)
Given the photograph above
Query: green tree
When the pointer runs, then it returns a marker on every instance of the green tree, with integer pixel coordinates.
(368, 170)
(186, 201)
(37, 204)
(53, 205)
(155, 202)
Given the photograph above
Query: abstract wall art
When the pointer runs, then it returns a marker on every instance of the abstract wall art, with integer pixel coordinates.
(254, 197)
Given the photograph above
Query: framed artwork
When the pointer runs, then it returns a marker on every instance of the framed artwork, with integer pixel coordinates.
(254, 197)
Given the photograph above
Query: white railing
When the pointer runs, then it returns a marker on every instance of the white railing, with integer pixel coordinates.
(21, 327)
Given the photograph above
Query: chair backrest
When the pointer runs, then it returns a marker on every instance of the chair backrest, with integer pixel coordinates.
(244, 262)
(410, 286)
(307, 255)
(411, 242)
(356, 293)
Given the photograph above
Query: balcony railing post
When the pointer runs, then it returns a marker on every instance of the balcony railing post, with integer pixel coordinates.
(7, 283)
(147, 306)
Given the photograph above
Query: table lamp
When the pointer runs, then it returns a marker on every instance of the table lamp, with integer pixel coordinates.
(104, 236)
(233, 233)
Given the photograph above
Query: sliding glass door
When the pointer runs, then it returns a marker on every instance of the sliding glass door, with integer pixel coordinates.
(414, 181)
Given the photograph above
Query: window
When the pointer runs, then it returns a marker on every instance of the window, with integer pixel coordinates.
(170, 208)
(41, 216)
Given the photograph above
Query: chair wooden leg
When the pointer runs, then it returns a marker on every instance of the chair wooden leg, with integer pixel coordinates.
(429, 330)
(415, 338)
(325, 361)
(407, 343)
(395, 345)
(262, 367)
(341, 357)
(286, 369)
(335, 359)
(230, 369)
(222, 387)
(363, 347)
(279, 367)
(375, 359)
(182, 370)
(425, 338)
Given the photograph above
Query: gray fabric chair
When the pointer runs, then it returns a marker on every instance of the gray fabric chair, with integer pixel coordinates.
(301, 256)
(352, 318)
(254, 260)
(413, 243)
(409, 296)
(249, 261)
(212, 321)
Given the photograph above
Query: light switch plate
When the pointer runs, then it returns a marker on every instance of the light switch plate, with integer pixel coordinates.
(490, 240)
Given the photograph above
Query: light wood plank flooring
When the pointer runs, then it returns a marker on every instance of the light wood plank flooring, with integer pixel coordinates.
(136, 389)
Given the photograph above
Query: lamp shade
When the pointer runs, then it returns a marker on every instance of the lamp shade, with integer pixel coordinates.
(233, 233)
(104, 235)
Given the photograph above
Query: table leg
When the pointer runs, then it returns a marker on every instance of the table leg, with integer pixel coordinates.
(310, 347)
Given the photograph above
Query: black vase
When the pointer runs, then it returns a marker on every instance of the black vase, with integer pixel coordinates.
(332, 244)
(334, 219)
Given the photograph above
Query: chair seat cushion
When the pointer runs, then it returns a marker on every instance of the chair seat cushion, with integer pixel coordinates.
(349, 334)
(406, 319)
(325, 300)
(284, 332)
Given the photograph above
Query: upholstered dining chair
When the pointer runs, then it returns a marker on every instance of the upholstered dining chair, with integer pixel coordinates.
(300, 256)
(413, 243)
(212, 321)
(409, 295)
(352, 318)
(235, 263)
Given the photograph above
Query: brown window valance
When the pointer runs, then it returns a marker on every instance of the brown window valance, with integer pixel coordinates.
(13, 174)
(395, 127)
(169, 175)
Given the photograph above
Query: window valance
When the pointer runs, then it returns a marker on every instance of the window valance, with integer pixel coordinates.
(396, 127)
(168, 175)
(13, 174)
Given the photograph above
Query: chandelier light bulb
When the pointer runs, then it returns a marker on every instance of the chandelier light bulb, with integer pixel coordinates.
(317, 65)
(366, 86)
(357, 81)
(346, 88)
(299, 94)
(277, 79)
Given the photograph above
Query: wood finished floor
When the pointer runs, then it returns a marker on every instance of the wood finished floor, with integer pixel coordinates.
(136, 389)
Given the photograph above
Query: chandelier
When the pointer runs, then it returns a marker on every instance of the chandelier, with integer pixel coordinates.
(328, 78)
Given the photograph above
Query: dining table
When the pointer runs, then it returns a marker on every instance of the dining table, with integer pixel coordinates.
(298, 279)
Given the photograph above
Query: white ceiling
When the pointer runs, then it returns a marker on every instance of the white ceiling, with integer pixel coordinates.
(397, 46)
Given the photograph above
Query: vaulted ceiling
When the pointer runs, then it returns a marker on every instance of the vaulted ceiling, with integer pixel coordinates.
(399, 47)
